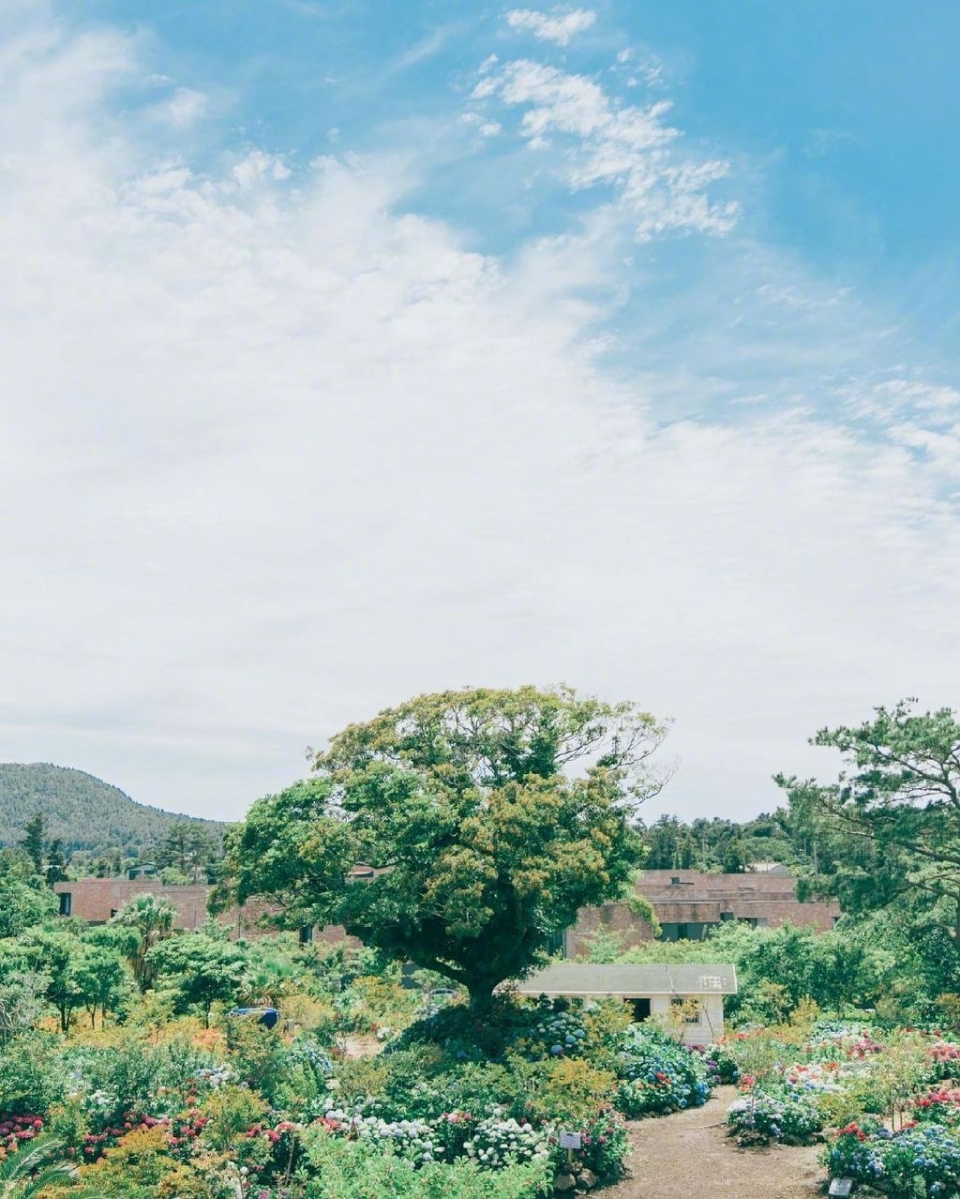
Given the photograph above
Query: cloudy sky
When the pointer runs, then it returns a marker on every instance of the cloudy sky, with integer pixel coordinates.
(351, 350)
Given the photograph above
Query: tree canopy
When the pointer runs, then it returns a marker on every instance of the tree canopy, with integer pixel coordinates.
(889, 827)
(488, 818)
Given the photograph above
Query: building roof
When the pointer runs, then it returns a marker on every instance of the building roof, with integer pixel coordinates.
(580, 978)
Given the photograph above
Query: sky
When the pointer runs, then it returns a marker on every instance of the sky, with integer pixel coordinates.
(351, 351)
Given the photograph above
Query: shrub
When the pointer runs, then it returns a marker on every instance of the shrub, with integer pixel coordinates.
(31, 1077)
(568, 1090)
(604, 1146)
(498, 1142)
(658, 1075)
(766, 1115)
(140, 1167)
(921, 1160)
(358, 1170)
(231, 1110)
(722, 1067)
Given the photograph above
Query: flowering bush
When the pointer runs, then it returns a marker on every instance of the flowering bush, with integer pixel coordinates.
(95, 1144)
(938, 1107)
(556, 1034)
(499, 1142)
(766, 1115)
(658, 1075)
(922, 1159)
(722, 1067)
(15, 1130)
(946, 1060)
(604, 1145)
(411, 1139)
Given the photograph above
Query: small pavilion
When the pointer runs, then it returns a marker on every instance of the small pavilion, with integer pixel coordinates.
(693, 994)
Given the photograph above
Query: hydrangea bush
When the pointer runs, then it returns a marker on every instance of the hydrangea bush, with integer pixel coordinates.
(658, 1075)
(766, 1115)
(918, 1160)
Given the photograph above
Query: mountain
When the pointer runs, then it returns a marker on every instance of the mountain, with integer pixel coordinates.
(83, 811)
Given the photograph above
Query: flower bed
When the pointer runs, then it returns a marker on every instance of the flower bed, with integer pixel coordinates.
(920, 1160)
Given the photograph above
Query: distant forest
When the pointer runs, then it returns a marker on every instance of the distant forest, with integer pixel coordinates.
(83, 812)
(101, 829)
(723, 845)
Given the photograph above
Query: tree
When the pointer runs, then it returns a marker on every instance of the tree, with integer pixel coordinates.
(102, 980)
(56, 868)
(33, 840)
(188, 847)
(200, 970)
(891, 821)
(489, 817)
(152, 919)
(22, 906)
(57, 956)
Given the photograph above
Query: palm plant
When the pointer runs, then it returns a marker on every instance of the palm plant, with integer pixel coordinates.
(26, 1173)
(152, 918)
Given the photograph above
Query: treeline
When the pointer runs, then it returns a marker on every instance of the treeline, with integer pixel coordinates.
(720, 845)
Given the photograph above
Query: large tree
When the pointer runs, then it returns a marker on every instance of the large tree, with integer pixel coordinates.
(888, 830)
(489, 817)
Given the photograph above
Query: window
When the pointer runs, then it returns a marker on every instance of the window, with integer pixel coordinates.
(66, 903)
(641, 1010)
(688, 1008)
(306, 934)
(675, 880)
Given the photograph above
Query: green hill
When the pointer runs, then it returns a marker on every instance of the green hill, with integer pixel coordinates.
(84, 812)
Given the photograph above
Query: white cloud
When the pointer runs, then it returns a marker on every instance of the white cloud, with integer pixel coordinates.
(558, 29)
(257, 167)
(275, 456)
(183, 108)
(628, 148)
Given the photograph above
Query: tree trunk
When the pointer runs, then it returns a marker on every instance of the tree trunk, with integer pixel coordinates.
(481, 999)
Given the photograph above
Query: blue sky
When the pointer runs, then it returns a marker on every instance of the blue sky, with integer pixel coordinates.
(361, 350)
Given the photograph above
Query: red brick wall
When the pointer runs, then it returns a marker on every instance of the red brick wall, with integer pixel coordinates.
(96, 899)
(701, 898)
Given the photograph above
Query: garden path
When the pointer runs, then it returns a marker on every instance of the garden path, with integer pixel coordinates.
(689, 1156)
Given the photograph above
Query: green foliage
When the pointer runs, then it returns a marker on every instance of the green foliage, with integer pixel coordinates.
(190, 848)
(894, 813)
(199, 971)
(357, 1170)
(487, 842)
(33, 841)
(658, 1074)
(152, 921)
(22, 906)
(32, 1170)
(30, 1075)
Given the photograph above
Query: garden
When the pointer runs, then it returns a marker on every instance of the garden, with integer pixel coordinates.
(435, 1101)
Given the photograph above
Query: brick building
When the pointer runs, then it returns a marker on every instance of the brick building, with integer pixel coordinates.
(689, 902)
(98, 900)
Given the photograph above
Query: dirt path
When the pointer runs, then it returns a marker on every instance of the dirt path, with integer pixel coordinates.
(688, 1156)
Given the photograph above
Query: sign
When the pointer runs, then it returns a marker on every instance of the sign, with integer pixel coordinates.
(841, 1186)
(570, 1140)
